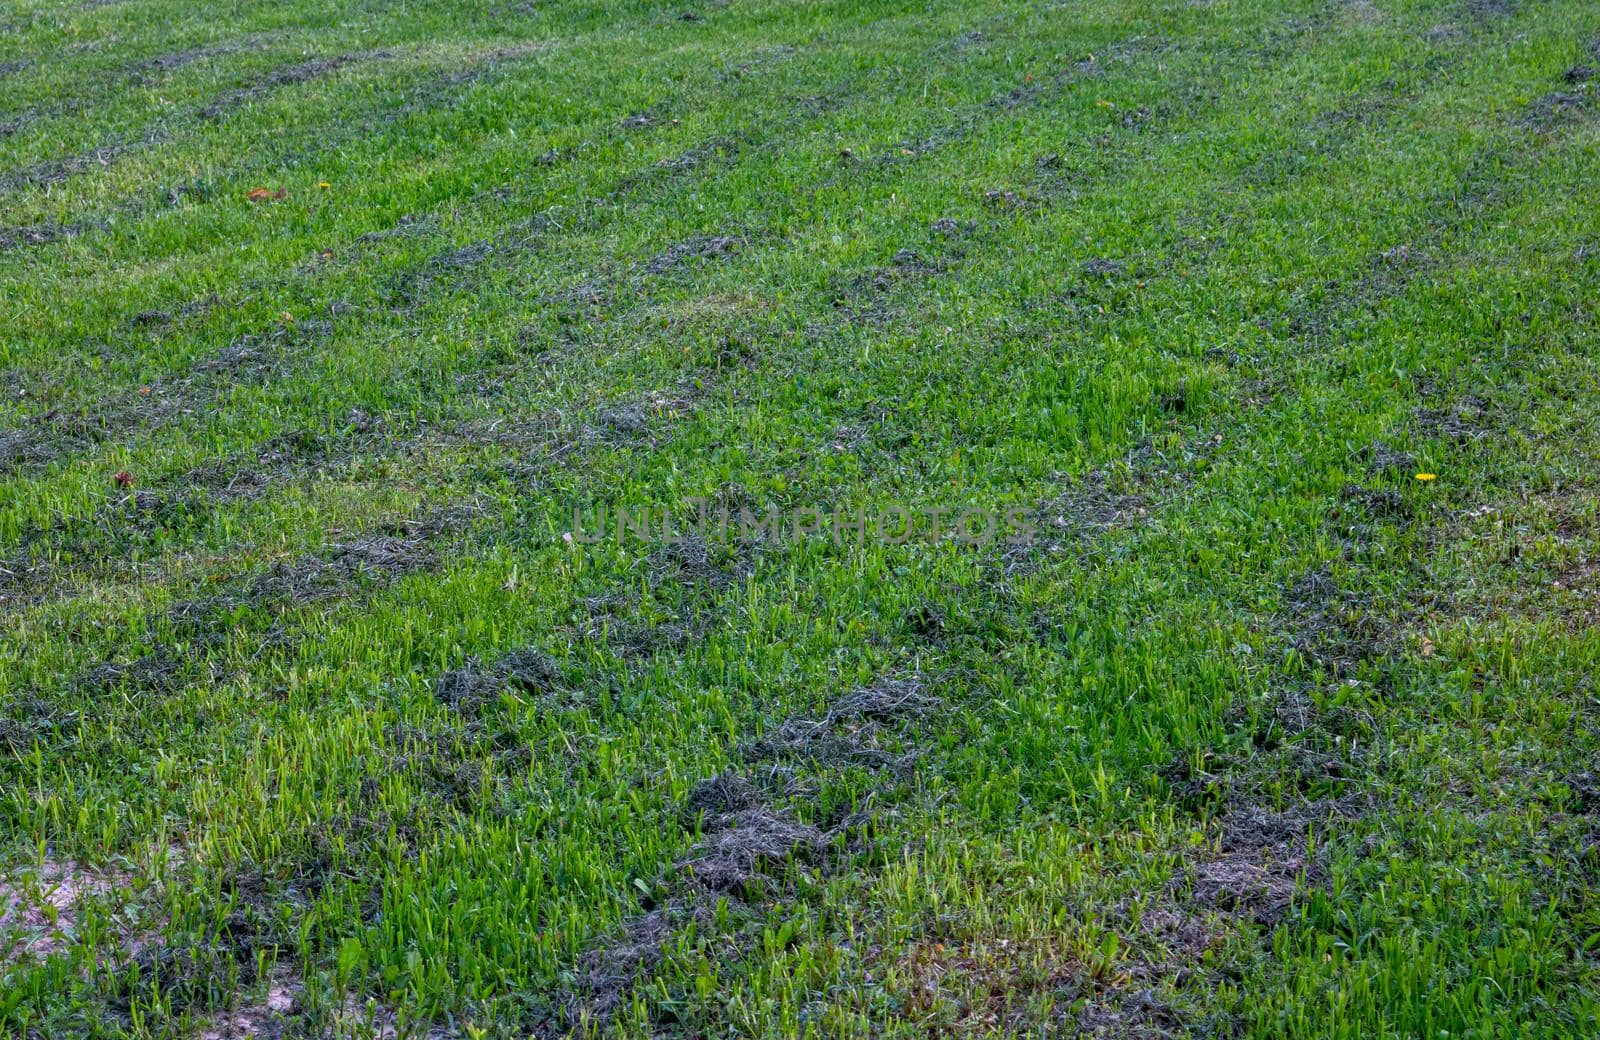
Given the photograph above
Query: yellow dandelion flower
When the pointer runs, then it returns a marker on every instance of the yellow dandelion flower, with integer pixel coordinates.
(1427, 476)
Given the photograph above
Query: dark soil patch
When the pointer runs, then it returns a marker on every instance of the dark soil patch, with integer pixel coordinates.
(37, 235)
(719, 796)
(989, 985)
(190, 976)
(1247, 883)
(1484, 11)
(1286, 748)
(1559, 108)
(1461, 422)
(1099, 267)
(252, 472)
(717, 149)
(28, 720)
(866, 297)
(174, 506)
(1101, 500)
(1385, 503)
(743, 847)
(888, 700)
(1362, 109)
(54, 171)
(410, 225)
(949, 227)
(445, 765)
(406, 291)
(155, 673)
(1383, 460)
(585, 295)
(16, 123)
(30, 449)
(470, 689)
(695, 248)
(379, 557)
(854, 730)
(24, 574)
(1116, 496)
(609, 973)
(1263, 854)
(252, 358)
(641, 419)
(62, 431)
(1363, 512)
(616, 623)
(693, 561)
(289, 75)
(1336, 628)
(148, 69)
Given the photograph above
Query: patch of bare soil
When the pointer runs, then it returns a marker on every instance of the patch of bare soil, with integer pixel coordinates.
(156, 672)
(300, 72)
(1384, 460)
(640, 419)
(407, 291)
(148, 69)
(378, 557)
(616, 622)
(719, 148)
(28, 720)
(609, 973)
(995, 985)
(1107, 498)
(1572, 103)
(863, 728)
(39, 908)
(1253, 882)
(744, 844)
(23, 575)
(868, 297)
(29, 449)
(695, 248)
(265, 1019)
(1535, 558)
(740, 848)
(1335, 627)
(54, 171)
(1101, 500)
(381, 555)
(60, 431)
(693, 561)
(1291, 781)
(250, 473)
(37, 234)
(1461, 421)
(474, 686)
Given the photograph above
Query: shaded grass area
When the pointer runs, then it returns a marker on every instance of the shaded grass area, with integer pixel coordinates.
(317, 721)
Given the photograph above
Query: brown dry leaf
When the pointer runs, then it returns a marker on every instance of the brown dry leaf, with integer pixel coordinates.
(266, 194)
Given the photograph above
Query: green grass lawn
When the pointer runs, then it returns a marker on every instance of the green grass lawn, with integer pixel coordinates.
(330, 333)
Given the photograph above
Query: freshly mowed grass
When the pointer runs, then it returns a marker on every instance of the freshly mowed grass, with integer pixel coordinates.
(1276, 323)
